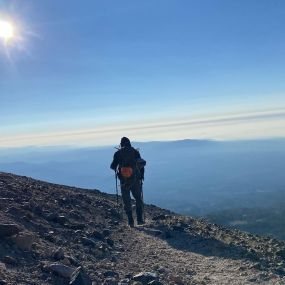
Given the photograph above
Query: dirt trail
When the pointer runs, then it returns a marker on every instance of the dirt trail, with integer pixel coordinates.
(150, 253)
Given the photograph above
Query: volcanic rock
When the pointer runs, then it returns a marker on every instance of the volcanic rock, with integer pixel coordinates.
(61, 270)
(7, 230)
(145, 277)
(24, 240)
(79, 277)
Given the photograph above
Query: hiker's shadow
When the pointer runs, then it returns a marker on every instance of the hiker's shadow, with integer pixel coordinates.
(191, 242)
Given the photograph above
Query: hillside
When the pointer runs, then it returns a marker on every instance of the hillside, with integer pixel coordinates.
(54, 234)
(263, 221)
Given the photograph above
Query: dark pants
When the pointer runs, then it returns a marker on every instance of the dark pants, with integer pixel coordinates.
(135, 188)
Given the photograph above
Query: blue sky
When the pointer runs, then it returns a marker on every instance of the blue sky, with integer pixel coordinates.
(86, 73)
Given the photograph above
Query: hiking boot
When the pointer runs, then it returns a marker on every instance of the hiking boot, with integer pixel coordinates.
(130, 220)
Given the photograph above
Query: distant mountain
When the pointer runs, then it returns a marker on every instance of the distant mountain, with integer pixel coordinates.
(55, 234)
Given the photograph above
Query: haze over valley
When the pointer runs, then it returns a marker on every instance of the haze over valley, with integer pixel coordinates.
(196, 177)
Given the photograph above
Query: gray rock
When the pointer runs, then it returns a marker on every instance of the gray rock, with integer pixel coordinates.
(145, 277)
(73, 260)
(106, 232)
(50, 237)
(280, 270)
(178, 227)
(88, 242)
(114, 258)
(79, 277)
(110, 242)
(155, 282)
(155, 232)
(161, 269)
(110, 273)
(10, 260)
(281, 253)
(98, 235)
(159, 217)
(58, 254)
(61, 270)
(24, 240)
(3, 282)
(110, 281)
(125, 281)
(53, 217)
(7, 230)
(62, 220)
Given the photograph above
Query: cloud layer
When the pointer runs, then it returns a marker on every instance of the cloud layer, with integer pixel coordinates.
(262, 124)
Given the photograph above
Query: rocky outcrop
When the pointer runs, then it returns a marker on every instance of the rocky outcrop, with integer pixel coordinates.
(54, 234)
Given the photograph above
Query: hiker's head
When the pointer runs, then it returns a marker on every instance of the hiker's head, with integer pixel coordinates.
(125, 142)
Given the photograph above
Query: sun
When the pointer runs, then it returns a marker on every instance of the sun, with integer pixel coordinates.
(6, 31)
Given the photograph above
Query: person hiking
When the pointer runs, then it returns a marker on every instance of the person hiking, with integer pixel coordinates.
(129, 167)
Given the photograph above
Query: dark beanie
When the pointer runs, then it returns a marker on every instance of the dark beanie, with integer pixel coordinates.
(125, 142)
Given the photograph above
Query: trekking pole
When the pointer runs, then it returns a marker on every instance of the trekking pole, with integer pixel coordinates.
(117, 193)
(119, 207)
(142, 200)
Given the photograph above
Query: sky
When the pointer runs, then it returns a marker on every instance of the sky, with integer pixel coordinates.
(89, 72)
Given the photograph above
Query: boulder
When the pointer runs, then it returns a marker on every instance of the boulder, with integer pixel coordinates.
(58, 254)
(23, 240)
(7, 230)
(79, 277)
(145, 277)
(61, 270)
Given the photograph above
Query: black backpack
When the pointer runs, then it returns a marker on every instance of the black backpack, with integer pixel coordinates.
(128, 157)
(130, 163)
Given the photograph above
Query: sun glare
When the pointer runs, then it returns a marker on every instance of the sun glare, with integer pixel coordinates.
(6, 30)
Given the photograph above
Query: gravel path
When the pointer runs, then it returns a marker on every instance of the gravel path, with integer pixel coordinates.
(150, 253)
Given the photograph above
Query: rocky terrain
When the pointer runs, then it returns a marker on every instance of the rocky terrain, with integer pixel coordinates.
(54, 234)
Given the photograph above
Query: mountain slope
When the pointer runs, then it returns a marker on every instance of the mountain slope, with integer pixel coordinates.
(49, 230)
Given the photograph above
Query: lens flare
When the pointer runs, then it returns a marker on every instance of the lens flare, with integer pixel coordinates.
(6, 31)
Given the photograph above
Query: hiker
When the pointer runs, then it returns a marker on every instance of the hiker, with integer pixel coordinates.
(129, 167)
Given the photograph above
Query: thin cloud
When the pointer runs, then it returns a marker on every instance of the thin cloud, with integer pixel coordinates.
(110, 133)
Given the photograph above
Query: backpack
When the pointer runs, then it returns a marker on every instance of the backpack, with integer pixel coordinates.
(130, 164)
